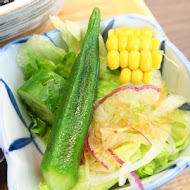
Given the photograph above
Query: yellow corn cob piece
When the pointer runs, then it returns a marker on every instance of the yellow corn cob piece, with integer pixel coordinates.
(155, 44)
(156, 59)
(123, 58)
(122, 42)
(146, 60)
(146, 32)
(112, 43)
(136, 76)
(146, 43)
(125, 76)
(147, 77)
(113, 59)
(134, 60)
(133, 43)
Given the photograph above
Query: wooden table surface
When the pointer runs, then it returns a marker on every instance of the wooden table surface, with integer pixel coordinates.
(173, 16)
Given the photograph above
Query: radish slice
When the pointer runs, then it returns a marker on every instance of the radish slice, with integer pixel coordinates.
(142, 135)
(121, 162)
(93, 154)
(137, 180)
(125, 87)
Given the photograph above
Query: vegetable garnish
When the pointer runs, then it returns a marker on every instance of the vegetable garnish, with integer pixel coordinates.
(64, 149)
(135, 52)
(116, 138)
(135, 129)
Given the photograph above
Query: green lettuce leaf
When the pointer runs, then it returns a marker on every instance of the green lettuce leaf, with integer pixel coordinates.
(40, 128)
(39, 47)
(64, 68)
(108, 79)
(180, 135)
(72, 33)
(35, 65)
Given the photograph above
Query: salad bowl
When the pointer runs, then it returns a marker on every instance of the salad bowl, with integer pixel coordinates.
(24, 151)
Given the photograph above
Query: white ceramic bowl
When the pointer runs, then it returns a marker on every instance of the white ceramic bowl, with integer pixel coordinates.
(22, 16)
(23, 151)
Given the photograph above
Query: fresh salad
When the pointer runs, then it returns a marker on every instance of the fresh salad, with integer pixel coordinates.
(101, 106)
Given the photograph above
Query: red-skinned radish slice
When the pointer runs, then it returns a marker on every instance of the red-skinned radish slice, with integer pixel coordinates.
(137, 180)
(142, 135)
(93, 154)
(117, 159)
(125, 87)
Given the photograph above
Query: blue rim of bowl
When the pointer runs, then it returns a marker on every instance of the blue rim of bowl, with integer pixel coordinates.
(176, 169)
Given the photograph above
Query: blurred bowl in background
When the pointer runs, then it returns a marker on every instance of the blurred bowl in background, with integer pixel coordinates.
(26, 17)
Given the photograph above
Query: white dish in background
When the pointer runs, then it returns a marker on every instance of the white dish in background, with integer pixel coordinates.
(23, 150)
(23, 16)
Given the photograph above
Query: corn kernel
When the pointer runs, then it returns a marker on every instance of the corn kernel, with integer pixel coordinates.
(127, 31)
(125, 76)
(156, 59)
(112, 43)
(133, 43)
(136, 32)
(119, 32)
(155, 44)
(134, 60)
(147, 77)
(146, 60)
(146, 32)
(111, 32)
(113, 59)
(122, 42)
(136, 76)
(146, 43)
(123, 59)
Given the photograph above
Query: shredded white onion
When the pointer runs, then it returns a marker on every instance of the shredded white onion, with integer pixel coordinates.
(155, 149)
(171, 103)
(132, 181)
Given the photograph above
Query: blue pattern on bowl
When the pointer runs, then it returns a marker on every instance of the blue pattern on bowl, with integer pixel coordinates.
(21, 142)
(21, 147)
(108, 27)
